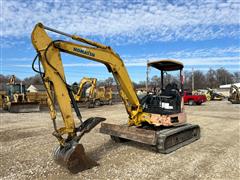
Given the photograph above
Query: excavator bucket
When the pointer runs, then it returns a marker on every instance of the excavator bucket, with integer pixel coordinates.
(73, 158)
(24, 107)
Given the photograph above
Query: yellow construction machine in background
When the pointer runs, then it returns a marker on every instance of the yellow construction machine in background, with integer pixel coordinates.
(103, 96)
(15, 100)
(39, 97)
(82, 97)
(89, 95)
(213, 95)
(210, 94)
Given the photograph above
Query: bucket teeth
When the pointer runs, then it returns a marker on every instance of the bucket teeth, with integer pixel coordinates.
(74, 158)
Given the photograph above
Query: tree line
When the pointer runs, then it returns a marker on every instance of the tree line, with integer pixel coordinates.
(211, 79)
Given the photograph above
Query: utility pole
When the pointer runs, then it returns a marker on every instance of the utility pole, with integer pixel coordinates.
(147, 76)
(21, 89)
(192, 79)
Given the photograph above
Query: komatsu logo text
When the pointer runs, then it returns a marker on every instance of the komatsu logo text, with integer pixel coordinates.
(83, 52)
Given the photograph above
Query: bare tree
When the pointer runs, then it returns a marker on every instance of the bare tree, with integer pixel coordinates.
(5, 79)
(211, 79)
(187, 80)
(109, 81)
(236, 77)
(155, 81)
(199, 80)
(142, 84)
(223, 76)
(35, 80)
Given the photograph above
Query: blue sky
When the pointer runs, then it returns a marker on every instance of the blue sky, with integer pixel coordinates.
(201, 34)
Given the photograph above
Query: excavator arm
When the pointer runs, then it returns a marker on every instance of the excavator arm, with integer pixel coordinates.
(70, 153)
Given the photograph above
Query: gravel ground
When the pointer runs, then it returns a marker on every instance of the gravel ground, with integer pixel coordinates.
(27, 144)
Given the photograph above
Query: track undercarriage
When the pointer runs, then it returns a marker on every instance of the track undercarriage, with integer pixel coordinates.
(165, 140)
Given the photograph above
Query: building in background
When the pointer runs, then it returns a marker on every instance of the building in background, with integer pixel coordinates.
(36, 88)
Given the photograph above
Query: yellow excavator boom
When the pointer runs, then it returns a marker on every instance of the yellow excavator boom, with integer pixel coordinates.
(54, 77)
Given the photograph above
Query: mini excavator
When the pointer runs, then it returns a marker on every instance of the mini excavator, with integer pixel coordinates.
(80, 96)
(158, 119)
(96, 96)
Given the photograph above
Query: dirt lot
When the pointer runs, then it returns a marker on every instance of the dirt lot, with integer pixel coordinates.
(27, 144)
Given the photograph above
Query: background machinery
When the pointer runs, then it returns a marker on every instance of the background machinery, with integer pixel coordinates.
(15, 100)
(84, 97)
(210, 94)
(103, 96)
(213, 95)
(158, 119)
(88, 93)
(234, 94)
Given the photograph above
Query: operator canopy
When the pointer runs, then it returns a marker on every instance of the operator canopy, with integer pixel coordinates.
(166, 65)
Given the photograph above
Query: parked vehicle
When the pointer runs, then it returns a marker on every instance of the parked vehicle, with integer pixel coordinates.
(191, 99)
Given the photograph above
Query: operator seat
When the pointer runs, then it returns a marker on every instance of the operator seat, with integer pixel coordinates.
(152, 103)
(171, 92)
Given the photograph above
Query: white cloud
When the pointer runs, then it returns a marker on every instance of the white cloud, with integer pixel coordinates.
(210, 56)
(201, 59)
(209, 61)
(197, 61)
(220, 61)
(123, 21)
(22, 59)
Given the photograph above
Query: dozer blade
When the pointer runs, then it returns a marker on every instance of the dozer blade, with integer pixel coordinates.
(24, 107)
(166, 140)
(73, 158)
